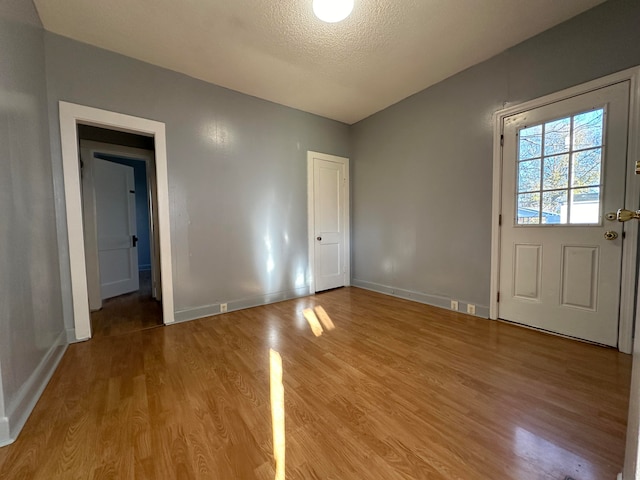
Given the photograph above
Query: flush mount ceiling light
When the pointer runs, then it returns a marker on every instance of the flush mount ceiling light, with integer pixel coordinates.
(332, 11)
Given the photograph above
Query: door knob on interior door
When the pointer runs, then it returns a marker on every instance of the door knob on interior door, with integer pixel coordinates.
(319, 238)
(625, 215)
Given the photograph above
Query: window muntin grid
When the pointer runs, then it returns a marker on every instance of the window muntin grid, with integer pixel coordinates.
(559, 171)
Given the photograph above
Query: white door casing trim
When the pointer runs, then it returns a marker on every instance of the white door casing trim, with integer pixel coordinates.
(632, 195)
(311, 217)
(70, 116)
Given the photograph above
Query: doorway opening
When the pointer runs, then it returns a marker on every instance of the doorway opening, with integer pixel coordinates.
(72, 117)
(120, 229)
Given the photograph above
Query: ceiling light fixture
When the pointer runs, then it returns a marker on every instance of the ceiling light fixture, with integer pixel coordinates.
(332, 11)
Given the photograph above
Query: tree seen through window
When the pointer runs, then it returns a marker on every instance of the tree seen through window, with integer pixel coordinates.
(560, 170)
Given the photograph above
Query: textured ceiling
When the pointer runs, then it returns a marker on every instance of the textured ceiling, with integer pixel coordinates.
(277, 50)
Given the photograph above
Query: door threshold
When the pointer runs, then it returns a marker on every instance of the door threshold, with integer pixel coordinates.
(555, 334)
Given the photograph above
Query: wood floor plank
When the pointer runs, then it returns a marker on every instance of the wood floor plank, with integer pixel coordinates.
(397, 390)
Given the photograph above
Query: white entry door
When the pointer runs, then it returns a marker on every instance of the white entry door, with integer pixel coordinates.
(116, 227)
(329, 211)
(563, 171)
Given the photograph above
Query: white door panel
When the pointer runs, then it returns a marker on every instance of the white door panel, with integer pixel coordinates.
(527, 266)
(563, 169)
(329, 211)
(116, 227)
(579, 276)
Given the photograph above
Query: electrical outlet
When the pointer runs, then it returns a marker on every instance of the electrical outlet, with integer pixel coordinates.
(454, 305)
(223, 307)
(471, 309)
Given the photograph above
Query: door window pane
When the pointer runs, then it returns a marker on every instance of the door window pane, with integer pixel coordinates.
(587, 129)
(554, 207)
(528, 208)
(586, 168)
(585, 205)
(556, 172)
(530, 143)
(529, 176)
(560, 170)
(557, 136)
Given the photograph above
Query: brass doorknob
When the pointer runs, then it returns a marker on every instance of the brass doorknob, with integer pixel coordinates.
(610, 235)
(625, 215)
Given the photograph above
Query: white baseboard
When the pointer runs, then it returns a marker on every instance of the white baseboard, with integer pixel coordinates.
(619, 476)
(5, 438)
(71, 335)
(428, 299)
(18, 411)
(188, 314)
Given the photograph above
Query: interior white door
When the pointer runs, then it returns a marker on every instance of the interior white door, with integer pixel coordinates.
(330, 222)
(563, 171)
(116, 227)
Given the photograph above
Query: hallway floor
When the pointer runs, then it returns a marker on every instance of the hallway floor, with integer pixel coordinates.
(128, 313)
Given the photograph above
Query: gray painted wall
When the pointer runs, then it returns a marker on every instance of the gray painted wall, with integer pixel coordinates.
(237, 174)
(31, 321)
(422, 169)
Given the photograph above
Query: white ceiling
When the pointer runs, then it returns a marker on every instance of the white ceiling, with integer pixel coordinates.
(277, 50)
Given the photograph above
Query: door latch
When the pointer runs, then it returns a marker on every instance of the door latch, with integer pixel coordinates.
(134, 240)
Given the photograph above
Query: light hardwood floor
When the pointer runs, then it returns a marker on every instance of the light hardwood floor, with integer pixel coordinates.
(398, 390)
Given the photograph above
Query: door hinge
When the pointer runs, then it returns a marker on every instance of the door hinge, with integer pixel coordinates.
(502, 140)
(500, 220)
(498, 297)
